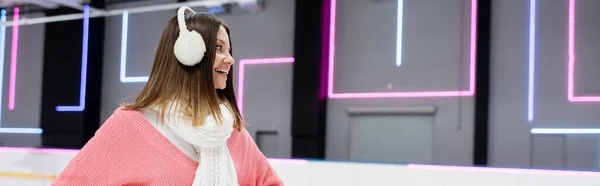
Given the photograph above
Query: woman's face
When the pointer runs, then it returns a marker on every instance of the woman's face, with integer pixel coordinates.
(223, 59)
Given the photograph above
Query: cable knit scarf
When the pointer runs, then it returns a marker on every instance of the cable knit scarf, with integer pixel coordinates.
(210, 142)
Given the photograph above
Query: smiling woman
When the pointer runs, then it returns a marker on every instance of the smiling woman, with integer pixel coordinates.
(189, 74)
(223, 58)
(185, 127)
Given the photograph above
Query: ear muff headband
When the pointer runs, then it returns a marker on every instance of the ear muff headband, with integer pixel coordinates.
(189, 47)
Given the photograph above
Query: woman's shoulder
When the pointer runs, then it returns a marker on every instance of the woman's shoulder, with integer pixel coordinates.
(125, 111)
(124, 114)
(241, 139)
(122, 120)
(123, 127)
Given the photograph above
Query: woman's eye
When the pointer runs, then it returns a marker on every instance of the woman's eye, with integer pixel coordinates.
(219, 47)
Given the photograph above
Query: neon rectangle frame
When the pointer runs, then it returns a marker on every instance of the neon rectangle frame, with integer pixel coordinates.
(571, 65)
(2, 56)
(331, 45)
(243, 63)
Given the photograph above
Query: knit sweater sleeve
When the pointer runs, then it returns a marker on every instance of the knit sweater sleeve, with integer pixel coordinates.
(263, 173)
(73, 175)
(102, 160)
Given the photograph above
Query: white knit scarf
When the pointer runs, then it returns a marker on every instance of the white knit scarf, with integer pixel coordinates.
(210, 142)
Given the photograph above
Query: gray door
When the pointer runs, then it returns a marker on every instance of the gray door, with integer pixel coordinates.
(392, 135)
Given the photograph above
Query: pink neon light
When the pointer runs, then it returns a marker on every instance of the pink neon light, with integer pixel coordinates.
(244, 62)
(472, 56)
(13, 60)
(571, 74)
(503, 170)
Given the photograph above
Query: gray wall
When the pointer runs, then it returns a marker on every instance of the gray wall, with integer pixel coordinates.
(26, 113)
(364, 63)
(269, 34)
(511, 144)
(365, 57)
(435, 58)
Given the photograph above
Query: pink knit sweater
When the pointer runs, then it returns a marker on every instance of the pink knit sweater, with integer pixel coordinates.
(128, 150)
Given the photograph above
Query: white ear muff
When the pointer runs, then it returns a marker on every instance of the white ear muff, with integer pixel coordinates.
(189, 47)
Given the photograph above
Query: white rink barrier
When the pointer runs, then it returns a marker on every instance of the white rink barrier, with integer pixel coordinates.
(39, 167)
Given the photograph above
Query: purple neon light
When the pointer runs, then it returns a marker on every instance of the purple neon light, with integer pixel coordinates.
(323, 84)
(84, 60)
(245, 62)
(470, 92)
(531, 77)
(13, 60)
(571, 85)
(503, 170)
(2, 52)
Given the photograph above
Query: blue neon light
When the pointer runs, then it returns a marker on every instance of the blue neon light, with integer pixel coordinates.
(21, 131)
(399, 26)
(84, 60)
(565, 131)
(122, 76)
(2, 45)
(530, 95)
(2, 53)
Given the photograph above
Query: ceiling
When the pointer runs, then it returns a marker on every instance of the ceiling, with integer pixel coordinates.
(38, 6)
(41, 6)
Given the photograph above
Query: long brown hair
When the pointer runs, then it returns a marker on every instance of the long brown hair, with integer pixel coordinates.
(191, 86)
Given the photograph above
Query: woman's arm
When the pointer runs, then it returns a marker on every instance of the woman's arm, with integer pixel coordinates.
(266, 175)
(73, 175)
(261, 171)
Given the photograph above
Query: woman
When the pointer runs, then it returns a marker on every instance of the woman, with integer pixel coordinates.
(185, 127)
